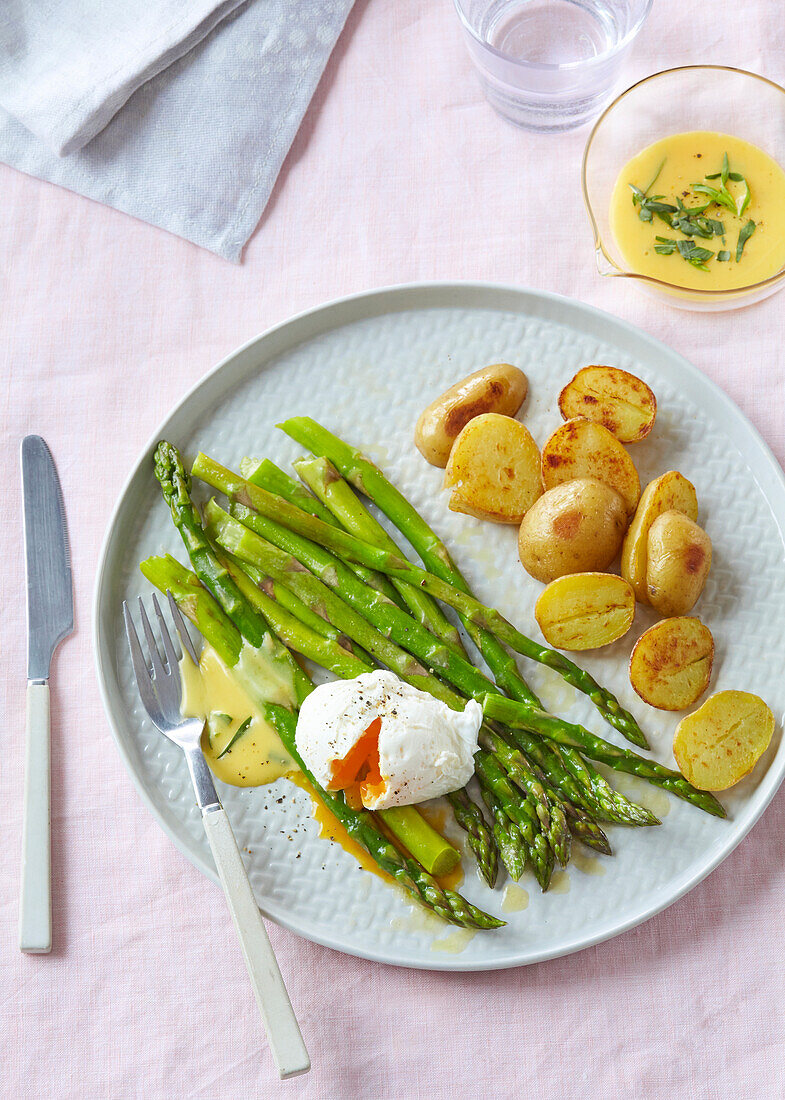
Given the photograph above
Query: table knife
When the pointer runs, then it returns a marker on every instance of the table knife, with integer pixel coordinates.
(50, 618)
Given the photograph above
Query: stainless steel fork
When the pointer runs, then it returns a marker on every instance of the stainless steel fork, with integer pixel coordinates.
(158, 680)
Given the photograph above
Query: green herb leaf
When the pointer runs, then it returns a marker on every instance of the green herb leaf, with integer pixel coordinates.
(694, 255)
(745, 233)
(656, 176)
(241, 729)
(744, 200)
(664, 246)
(723, 197)
(725, 171)
(225, 718)
(735, 176)
(723, 256)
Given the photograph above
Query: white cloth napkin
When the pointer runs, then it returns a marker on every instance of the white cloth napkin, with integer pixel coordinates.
(67, 66)
(197, 148)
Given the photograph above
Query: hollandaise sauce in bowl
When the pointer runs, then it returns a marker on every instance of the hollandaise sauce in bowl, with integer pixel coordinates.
(685, 187)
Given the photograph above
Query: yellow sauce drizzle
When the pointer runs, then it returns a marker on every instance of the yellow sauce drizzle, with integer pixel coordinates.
(216, 693)
(515, 898)
(560, 883)
(330, 828)
(590, 865)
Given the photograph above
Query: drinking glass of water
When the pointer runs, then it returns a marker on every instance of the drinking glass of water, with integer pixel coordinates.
(550, 65)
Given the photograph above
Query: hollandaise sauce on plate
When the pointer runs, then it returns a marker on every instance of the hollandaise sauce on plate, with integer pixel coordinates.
(701, 210)
(240, 746)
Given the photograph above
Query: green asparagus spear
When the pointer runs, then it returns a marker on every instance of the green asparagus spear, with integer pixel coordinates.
(539, 850)
(283, 554)
(267, 475)
(292, 632)
(326, 483)
(549, 807)
(470, 818)
(517, 715)
(350, 548)
(176, 487)
(196, 603)
(511, 845)
(585, 828)
(287, 599)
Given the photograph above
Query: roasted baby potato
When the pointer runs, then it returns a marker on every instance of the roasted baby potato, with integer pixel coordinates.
(573, 528)
(500, 388)
(619, 401)
(585, 610)
(678, 560)
(723, 740)
(670, 666)
(581, 448)
(669, 492)
(494, 469)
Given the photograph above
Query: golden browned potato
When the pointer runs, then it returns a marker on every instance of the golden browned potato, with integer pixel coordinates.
(585, 610)
(581, 448)
(614, 398)
(678, 560)
(494, 469)
(500, 388)
(573, 528)
(669, 492)
(670, 666)
(723, 740)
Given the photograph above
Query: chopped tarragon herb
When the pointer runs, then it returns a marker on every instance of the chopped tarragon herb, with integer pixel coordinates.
(693, 221)
(745, 233)
(241, 729)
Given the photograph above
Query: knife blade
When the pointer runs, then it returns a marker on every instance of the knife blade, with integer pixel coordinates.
(50, 619)
(50, 601)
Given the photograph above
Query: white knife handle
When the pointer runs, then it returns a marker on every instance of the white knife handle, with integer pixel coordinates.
(283, 1032)
(35, 915)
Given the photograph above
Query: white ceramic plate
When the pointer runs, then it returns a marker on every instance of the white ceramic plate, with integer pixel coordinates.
(365, 366)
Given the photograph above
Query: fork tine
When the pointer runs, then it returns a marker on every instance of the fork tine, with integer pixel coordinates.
(155, 656)
(181, 628)
(173, 653)
(141, 671)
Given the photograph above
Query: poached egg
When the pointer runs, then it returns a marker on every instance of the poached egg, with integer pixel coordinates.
(384, 742)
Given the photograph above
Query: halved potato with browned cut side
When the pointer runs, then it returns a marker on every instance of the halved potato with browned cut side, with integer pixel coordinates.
(670, 666)
(494, 469)
(618, 400)
(581, 448)
(585, 610)
(667, 493)
(499, 388)
(723, 740)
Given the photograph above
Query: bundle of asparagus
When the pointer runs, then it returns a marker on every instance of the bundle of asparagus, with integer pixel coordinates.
(315, 568)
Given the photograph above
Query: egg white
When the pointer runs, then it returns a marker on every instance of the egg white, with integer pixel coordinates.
(425, 748)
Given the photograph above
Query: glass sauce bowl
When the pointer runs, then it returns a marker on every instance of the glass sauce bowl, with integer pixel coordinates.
(695, 97)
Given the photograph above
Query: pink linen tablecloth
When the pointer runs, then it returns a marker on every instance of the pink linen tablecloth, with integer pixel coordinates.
(400, 172)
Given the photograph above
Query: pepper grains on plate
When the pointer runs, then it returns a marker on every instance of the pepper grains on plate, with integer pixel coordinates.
(577, 504)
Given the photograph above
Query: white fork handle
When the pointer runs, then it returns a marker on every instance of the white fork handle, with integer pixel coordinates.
(35, 910)
(283, 1032)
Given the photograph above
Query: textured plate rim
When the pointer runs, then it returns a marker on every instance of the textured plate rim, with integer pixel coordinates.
(398, 298)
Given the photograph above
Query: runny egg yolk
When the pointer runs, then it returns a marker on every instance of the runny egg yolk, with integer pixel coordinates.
(358, 774)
